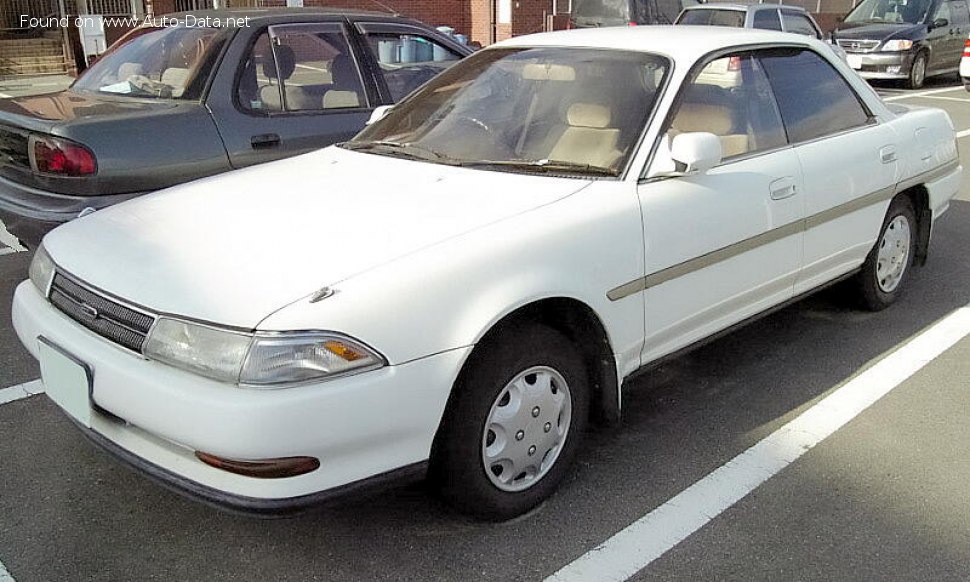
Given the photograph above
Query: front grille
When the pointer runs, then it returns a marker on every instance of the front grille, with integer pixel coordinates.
(105, 317)
(857, 45)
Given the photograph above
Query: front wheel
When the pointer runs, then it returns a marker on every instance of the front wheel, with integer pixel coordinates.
(514, 424)
(917, 72)
(888, 264)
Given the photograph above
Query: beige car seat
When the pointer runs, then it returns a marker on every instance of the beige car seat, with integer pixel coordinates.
(346, 84)
(712, 118)
(587, 139)
(296, 97)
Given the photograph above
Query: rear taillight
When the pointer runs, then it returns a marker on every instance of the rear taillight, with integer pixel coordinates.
(734, 64)
(631, 23)
(966, 48)
(56, 155)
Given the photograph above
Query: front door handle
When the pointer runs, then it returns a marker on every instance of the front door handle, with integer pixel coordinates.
(265, 140)
(887, 155)
(782, 188)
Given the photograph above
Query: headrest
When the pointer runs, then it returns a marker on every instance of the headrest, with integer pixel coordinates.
(588, 115)
(342, 72)
(715, 119)
(286, 59)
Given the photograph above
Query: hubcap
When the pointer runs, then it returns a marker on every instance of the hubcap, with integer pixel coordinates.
(526, 428)
(919, 71)
(893, 254)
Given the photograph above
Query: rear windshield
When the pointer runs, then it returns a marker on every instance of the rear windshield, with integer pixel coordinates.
(159, 63)
(713, 17)
(606, 9)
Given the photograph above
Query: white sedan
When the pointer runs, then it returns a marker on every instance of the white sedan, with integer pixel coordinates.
(460, 289)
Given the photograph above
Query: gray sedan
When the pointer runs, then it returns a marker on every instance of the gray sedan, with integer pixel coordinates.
(218, 91)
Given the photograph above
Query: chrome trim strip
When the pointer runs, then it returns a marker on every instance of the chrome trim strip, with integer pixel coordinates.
(775, 234)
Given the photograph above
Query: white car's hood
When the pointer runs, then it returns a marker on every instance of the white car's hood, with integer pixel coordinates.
(231, 249)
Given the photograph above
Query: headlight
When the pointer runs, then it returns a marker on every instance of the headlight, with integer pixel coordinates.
(897, 45)
(208, 351)
(41, 270)
(266, 360)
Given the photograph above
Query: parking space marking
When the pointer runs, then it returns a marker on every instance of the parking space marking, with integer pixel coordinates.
(4, 96)
(5, 575)
(19, 392)
(941, 98)
(6, 251)
(923, 93)
(648, 538)
(963, 133)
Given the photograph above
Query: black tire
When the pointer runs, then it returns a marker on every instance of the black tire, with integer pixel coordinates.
(871, 294)
(917, 72)
(457, 464)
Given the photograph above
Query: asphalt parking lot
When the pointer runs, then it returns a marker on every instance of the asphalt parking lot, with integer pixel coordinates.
(867, 410)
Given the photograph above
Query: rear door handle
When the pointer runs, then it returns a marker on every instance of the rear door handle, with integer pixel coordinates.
(265, 140)
(782, 188)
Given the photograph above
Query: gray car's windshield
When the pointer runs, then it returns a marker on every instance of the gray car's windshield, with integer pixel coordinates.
(537, 110)
(891, 11)
(160, 63)
(610, 9)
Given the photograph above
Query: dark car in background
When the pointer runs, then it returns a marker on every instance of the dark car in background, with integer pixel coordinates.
(169, 104)
(908, 40)
(596, 13)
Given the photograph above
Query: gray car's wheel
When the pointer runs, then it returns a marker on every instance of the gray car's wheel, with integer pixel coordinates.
(514, 423)
(888, 264)
(917, 72)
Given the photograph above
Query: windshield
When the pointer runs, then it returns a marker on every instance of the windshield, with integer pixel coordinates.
(611, 9)
(892, 11)
(569, 110)
(160, 63)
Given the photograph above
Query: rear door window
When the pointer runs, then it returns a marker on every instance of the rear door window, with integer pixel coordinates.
(798, 23)
(814, 99)
(407, 60)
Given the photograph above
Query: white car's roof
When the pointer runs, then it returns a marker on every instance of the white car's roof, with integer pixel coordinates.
(682, 42)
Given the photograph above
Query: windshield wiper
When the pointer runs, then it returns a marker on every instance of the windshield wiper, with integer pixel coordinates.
(544, 165)
(409, 150)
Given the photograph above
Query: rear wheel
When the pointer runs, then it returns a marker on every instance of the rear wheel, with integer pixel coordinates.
(515, 421)
(888, 264)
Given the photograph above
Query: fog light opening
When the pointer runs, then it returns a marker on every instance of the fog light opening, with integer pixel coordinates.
(263, 468)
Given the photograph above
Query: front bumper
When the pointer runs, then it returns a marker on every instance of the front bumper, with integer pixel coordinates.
(881, 65)
(29, 213)
(359, 427)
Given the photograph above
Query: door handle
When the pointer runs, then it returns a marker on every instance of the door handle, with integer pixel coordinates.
(265, 140)
(782, 188)
(887, 154)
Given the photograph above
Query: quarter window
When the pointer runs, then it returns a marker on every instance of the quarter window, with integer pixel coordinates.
(732, 99)
(814, 99)
(301, 68)
(407, 61)
(798, 23)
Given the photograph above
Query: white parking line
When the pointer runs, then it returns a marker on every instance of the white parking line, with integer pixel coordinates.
(19, 392)
(642, 542)
(4, 575)
(4, 96)
(964, 100)
(6, 251)
(963, 133)
(922, 93)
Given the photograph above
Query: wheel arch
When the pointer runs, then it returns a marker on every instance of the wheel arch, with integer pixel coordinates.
(577, 321)
(919, 197)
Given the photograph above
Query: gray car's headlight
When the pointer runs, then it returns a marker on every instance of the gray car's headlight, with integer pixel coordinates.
(41, 270)
(266, 360)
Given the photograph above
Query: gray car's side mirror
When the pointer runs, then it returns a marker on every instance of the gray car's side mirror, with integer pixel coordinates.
(695, 152)
(378, 113)
(940, 23)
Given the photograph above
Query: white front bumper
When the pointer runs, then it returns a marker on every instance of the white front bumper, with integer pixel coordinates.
(358, 427)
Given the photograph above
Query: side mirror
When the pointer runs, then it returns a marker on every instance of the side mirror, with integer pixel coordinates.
(940, 23)
(695, 152)
(378, 113)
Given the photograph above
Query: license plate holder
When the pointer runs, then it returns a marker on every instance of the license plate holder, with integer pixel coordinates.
(68, 381)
